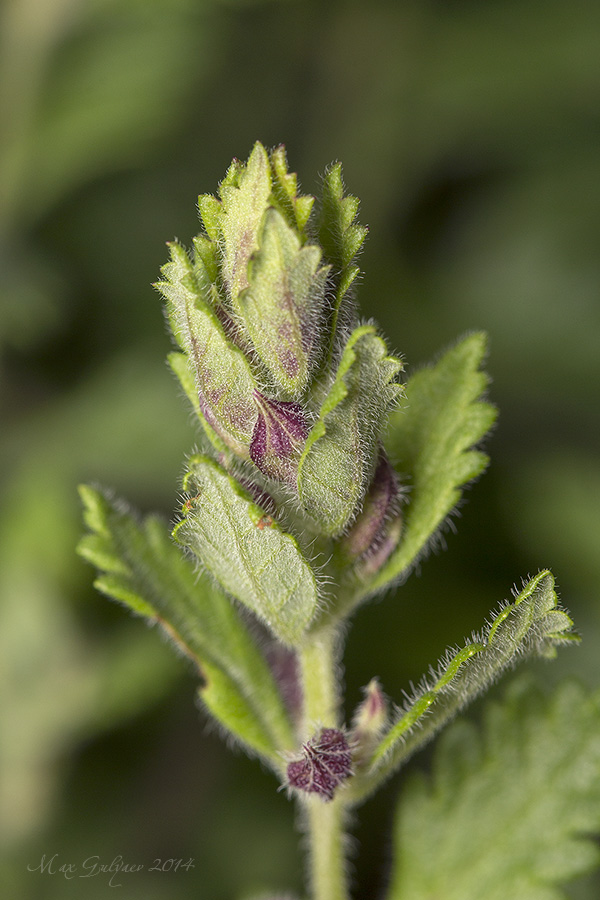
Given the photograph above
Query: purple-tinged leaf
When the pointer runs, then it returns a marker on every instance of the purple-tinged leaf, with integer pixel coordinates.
(283, 304)
(279, 434)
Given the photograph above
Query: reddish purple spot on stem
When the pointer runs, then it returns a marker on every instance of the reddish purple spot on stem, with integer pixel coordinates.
(326, 763)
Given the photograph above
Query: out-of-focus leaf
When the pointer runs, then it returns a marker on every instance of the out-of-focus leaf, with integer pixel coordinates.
(510, 811)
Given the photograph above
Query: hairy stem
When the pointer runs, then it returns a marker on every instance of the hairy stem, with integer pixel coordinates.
(325, 820)
(326, 823)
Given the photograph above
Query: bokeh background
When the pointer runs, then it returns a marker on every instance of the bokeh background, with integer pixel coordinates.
(471, 132)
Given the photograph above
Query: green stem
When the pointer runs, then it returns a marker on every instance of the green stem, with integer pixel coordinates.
(327, 849)
(325, 820)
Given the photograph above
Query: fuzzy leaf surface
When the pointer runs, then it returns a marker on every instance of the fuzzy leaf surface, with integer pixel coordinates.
(510, 810)
(141, 567)
(534, 624)
(224, 380)
(341, 449)
(246, 551)
(245, 198)
(282, 305)
(295, 207)
(431, 442)
(341, 239)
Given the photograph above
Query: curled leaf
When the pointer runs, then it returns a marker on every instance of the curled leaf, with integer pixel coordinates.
(338, 461)
(534, 624)
(140, 566)
(223, 377)
(376, 530)
(283, 303)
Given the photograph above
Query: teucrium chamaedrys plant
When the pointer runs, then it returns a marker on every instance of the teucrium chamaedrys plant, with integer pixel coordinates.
(321, 481)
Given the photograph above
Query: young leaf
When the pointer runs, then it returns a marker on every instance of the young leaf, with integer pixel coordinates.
(244, 202)
(341, 239)
(341, 449)
(224, 380)
(284, 196)
(283, 302)
(140, 566)
(180, 366)
(257, 563)
(534, 624)
(430, 441)
(280, 432)
(509, 813)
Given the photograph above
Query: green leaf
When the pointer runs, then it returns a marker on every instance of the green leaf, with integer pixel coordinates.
(245, 198)
(246, 551)
(180, 367)
(340, 238)
(283, 303)
(296, 208)
(509, 811)
(341, 449)
(534, 624)
(430, 442)
(224, 381)
(140, 566)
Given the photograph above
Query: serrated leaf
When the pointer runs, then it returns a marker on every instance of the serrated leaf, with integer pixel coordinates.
(509, 811)
(430, 442)
(245, 199)
(283, 303)
(141, 567)
(534, 624)
(211, 213)
(246, 551)
(341, 449)
(341, 239)
(296, 208)
(224, 380)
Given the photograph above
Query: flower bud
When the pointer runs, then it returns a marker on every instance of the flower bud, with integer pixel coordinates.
(280, 372)
(369, 721)
(325, 764)
(376, 530)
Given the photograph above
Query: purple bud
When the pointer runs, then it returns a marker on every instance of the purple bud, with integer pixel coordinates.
(326, 763)
(376, 508)
(369, 721)
(280, 431)
(376, 530)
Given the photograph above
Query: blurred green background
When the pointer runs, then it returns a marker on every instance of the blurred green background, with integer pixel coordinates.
(471, 132)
